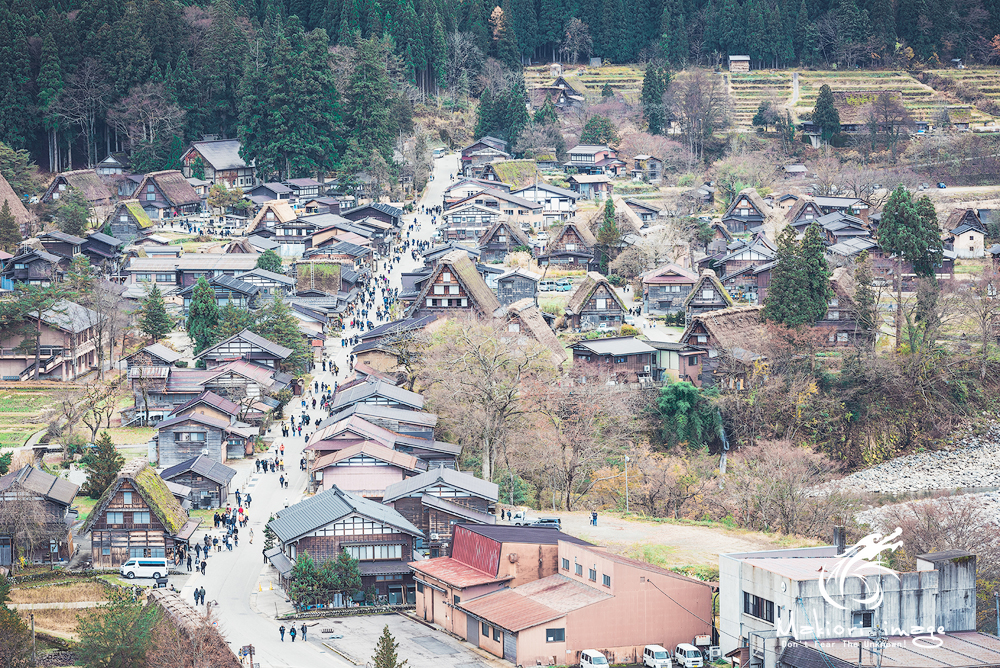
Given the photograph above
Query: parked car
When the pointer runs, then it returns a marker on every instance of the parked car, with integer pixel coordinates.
(521, 518)
(591, 657)
(144, 568)
(565, 285)
(630, 320)
(604, 327)
(941, 185)
(547, 286)
(543, 236)
(548, 522)
(688, 656)
(655, 656)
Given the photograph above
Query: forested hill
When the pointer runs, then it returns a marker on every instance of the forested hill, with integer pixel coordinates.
(77, 77)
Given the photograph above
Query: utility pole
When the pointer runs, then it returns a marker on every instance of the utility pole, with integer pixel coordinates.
(996, 597)
(626, 483)
(34, 656)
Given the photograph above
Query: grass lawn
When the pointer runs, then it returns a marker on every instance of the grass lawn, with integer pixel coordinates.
(84, 505)
(131, 435)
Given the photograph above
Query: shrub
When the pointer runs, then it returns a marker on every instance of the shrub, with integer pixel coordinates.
(616, 280)
(686, 180)
(181, 364)
(628, 330)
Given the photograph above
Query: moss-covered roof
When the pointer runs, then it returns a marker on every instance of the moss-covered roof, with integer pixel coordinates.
(153, 491)
(515, 173)
(138, 213)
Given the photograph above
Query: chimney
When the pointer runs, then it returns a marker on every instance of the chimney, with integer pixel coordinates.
(840, 539)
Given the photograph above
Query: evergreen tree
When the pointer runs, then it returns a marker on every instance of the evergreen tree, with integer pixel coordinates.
(788, 297)
(102, 467)
(50, 85)
(609, 235)
(221, 69)
(883, 25)
(203, 316)
(276, 323)
(551, 19)
(654, 85)
(866, 312)
(10, 232)
(825, 114)
(439, 52)
(269, 261)
(155, 322)
(910, 230)
(599, 131)
(673, 33)
(370, 93)
(73, 213)
(386, 652)
(546, 113)
(817, 271)
(607, 92)
(15, 69)
(233, 320)
(503, 113)
(503, 45)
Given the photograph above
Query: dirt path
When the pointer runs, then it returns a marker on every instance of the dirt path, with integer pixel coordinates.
(676, 544)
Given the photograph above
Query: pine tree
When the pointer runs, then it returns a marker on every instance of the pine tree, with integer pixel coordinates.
(276, 323)
(439, 52)
(370, 92)
(825, 115)
(203, 316)
(10, 232)
(599, 131)
(103, 467)
(155, 322)
(73, 213)
(673, 34)
(15, 69)
(504, 46)
(866, 312)
(269, 261)
(787, 293)
(654, 85)
(817, 270)
(50, 85)
(386, 652)
(609, 235)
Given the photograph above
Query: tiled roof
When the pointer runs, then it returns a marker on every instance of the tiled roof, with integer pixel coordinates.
(47, 485)
(71, 317)
(203, 466)
(212, 399)
(61, 236)
(329, 506)
(271, 276)
(450, 477)
(668, 273)
(368, 411)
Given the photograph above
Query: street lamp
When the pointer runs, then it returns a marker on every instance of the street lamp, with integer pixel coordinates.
(626, 483)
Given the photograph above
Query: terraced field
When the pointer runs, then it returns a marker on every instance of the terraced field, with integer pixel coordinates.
(625, 79)
(921, 100)
(746, 91)
(986, 81)
(22, 413)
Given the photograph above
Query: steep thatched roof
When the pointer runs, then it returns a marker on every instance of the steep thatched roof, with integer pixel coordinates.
(518, 238)
(968, 216)
(708, 276)
(87, 182)
(481, 297)
(531, 317)
(17, 208)
(586, 289)
(173, 185)
(843, 285)
(151, 488)
(282, 209)
(586, 236)
(135, 210)
(738, 329)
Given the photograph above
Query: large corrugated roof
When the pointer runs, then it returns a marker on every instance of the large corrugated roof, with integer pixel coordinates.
(212, 399)
(450, 477)
(372, 449)
(71, 317)
(533, 603)
(617, 345)
(329, 506)
(377, 387)
(367, 411)
(455, 572)
(45, 484)
(221, 153)
(279, 351)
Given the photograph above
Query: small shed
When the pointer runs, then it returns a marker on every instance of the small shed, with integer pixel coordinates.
(739, 63)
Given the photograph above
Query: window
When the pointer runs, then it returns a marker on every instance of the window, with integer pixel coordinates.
(508, 212)
(693, 360)
(621, 359)
(486, 629)
(496, 634)
(150, 197)
(149, 188)
(128, 498)
(607, 581)
(593, 574)
(708, 294)
(439, 289)
(164, 278)
(136, 552)
(758, 607)
(514, 327)
(841, 337)
(106, 551)
(971, 238)
(186, 436)
(446, 277)
(862, 620)
(673, 288)
(420, 587)
(158, 552)
(115, 517)
(374, 552)
(833, 315)
(834, 302)
(123, 218)
(452, 289)
(555, 635)
(457, 599)
(140, 518)
(579, 569)
(702, 338)
(565, 564)
(602, 304)
(571, 247)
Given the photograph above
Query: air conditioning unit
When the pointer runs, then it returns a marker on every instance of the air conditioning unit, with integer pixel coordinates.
(714, 652)
(435, 536)
(646, 368)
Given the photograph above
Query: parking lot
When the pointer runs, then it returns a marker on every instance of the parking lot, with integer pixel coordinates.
(421, 646)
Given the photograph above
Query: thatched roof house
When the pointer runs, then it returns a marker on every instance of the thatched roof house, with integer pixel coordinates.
(720, 343)
(86, 181)
(17, 208)
(454, 287)
(530, 322)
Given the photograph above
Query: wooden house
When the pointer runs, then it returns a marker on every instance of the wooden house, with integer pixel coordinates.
(524, 321)
(365, 469)
(155, 354)
(197, 433)
(378, 211)
(519, 211)
(33, 266)
(221, 162)
(208, 479)
(188, 268)
(967, 234)
(167, 194)
(572, 248)
(481, 152)
(665, 288)
(270, 192)
(137, 516)
(228, 290)
(517, 284)
(436, 500)
(334, 521)
(737, 264)
(621, 359)
(47, 498)
(515, 174)
(455, 287)
(594, 160)
(708, 294)
(591, 186)
(852, 205)
(245, 346)
(68, 344)
(646, 211)
(747, 212)
(85, 181)
(840, 320)
(271, 285)
(739, 63)
(565, 93)
(376, 392)
(501, 239)
(468, 222)
(803, 211)
(335, 436)
(60, 244)
(647, 168)
(102, 250)
(304, 188)
(17, 208)
(722, 346)
(321, 205)
(595, 304)
(558, 204)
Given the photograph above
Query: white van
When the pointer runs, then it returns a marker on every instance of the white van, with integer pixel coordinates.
(655, 656)
(591, 657)
(145, 568)
(688, 656)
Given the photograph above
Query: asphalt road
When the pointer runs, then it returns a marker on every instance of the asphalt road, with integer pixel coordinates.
(232, 578)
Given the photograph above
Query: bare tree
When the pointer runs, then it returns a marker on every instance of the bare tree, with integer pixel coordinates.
(474, 374)
(146, 115)
(576, 41)
(979, 302)
(700, 103)
(891, 118)
(26, 520)
(99, 404)
(183, 638)
(83, 101)
(664, 484)
(465, 60)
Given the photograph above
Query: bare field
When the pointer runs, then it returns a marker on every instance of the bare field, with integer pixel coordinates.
(69, 593)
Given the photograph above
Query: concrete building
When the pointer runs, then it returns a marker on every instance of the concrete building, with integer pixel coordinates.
(770, 599)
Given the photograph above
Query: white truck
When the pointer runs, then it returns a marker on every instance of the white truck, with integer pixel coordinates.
(522, 517)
